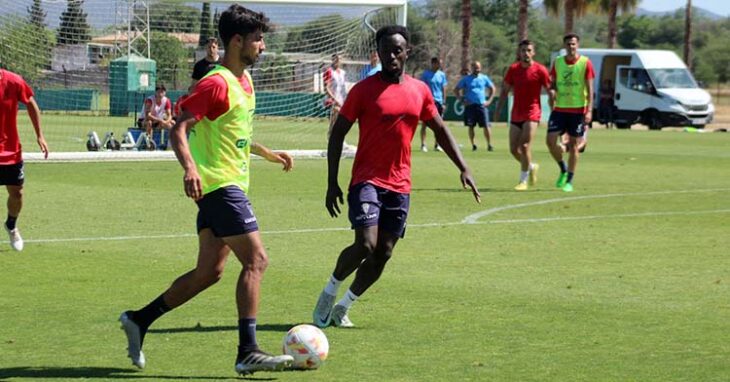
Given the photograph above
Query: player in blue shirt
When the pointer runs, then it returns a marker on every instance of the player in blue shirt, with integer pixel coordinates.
(436, 81)
(471, 91)
(372, 68)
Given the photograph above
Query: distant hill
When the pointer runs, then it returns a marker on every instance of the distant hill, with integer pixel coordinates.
(696, 11)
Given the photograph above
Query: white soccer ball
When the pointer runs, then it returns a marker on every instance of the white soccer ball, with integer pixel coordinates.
(308, 345)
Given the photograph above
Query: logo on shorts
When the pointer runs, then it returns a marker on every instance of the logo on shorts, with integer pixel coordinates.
(252, 217)
(579, 129)
(365, 213)
(21, 174)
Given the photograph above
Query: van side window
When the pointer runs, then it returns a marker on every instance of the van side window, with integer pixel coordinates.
(636, 79)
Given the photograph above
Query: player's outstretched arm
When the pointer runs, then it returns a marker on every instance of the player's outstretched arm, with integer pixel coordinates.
(448, 144)
(179, 141)
(34, 112)
(334, 152)
(273, 156)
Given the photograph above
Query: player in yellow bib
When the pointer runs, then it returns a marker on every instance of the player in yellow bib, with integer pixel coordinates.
(218, 115)
(571, 99)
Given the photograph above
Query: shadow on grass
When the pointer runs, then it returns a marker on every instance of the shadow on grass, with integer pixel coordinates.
(34, 373)
(221, 328)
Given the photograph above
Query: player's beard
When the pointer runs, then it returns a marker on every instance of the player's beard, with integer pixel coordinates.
(248, 61)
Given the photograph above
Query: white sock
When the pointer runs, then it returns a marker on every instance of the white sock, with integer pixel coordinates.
(332, 286)
(347, 299)
(523, 176)
(532, 166)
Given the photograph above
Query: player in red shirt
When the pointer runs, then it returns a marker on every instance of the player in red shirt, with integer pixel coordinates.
(526, 79)
(388, 107)
(14, 89)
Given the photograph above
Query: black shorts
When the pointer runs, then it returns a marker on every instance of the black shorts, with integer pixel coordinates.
(227, 212)
(439, 107)
(155, 124)
(12, 174)
(521, 124)
(571, 123)
(476, 114)
(370, 205)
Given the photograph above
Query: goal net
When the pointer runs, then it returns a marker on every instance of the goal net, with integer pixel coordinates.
(93, 63)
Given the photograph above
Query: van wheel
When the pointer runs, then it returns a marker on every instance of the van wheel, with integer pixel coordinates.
(623, 125)
(652, 120)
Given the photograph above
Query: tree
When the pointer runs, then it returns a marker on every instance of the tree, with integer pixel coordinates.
(36, 15)
(316, 36)
(171, 18)
(688, 35)
(465, 34)
(73, 28)
(611, 7)
(171, 57)
(573, 10)
(522, 18)
(216, 21)
(206, 29)
(38, 38)
(26, 50)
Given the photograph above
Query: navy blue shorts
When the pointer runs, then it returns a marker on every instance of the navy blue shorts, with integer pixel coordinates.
(12, 174)
(227, 212)
(370, 205)
(476, 114)
(571, 123)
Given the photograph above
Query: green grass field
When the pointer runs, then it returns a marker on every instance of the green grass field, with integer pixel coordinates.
(626, 279)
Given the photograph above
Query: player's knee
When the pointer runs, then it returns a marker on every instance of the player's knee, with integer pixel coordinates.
(382, 255)
(208, 277)
(257, 262)
(15, 193)
(364, 247)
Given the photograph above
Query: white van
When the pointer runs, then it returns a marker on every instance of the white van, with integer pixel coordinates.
(652, 87)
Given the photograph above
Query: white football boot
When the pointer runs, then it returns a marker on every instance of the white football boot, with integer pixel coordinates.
(322, 315)
(134, 340)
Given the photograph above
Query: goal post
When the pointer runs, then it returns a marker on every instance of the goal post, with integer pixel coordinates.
(88, 78)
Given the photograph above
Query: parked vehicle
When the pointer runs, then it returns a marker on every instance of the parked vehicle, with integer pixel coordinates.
(652, 87)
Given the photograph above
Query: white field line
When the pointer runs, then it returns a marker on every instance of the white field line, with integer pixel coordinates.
(471, 219)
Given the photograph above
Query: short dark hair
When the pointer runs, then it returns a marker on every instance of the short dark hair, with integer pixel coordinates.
(525, 42)
(213, 40)
(569, 36)
(160, 86)
(435, 59)
(240, 20)
(390, 30)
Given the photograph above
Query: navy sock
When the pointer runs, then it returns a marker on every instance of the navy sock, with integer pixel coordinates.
(246, 336)
(147, 315)
(570, 177)
(10, 223)
(563, 166)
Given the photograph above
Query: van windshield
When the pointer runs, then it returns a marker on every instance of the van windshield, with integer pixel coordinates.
(675, 78)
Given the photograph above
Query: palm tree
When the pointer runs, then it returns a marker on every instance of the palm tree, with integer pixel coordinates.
(611, 7)
(522, 17)
(688, 35)
(573, 9)
(465, 34)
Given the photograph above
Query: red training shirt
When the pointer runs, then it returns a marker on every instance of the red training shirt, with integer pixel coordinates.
(527, 84)
(590, 75)
(209, 98)
(388, 116)
(13, 89)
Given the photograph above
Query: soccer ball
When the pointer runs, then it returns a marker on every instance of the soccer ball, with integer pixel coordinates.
(308, 345)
